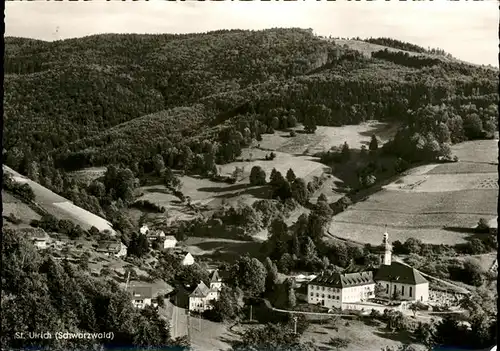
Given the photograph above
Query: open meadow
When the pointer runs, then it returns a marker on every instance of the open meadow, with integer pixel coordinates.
(434, 203)
(325, 137)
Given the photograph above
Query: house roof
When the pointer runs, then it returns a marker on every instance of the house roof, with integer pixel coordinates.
(401, 273)
(201, 290)
(109, 246)
(141, 292)
(339, 280)
(170, 237)
(215, 277)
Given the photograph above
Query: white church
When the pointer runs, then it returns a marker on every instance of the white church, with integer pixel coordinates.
(394, 278)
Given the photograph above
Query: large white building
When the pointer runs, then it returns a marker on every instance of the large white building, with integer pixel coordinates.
(334, 289)
(394, 278)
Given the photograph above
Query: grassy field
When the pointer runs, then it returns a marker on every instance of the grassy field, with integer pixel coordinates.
(221, 250)
(361, 337)
(60, 207)
(434, 203)
(303, 166)
(326, 137)
(87, 175)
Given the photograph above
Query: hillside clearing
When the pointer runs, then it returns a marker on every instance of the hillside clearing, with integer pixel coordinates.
(303, 166)
(477, 151)
(60, 207)
(326, 137)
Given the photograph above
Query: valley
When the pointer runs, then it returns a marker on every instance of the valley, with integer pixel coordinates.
(236, 188)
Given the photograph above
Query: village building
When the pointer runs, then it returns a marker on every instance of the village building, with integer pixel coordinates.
(335, 289)
(37, 236)
(142, 296)
(187, 260)
(202, 296)
(112, 248)
(399, 279)
(169, 242)
(144, 230)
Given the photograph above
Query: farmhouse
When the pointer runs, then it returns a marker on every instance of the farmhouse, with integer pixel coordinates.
(170, 241)
(396, 279)
(155, 234)
(38, 236)
(142, 296)
(335, 289)
(112, 248)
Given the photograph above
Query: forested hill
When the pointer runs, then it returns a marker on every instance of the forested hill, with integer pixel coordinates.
(123, 98)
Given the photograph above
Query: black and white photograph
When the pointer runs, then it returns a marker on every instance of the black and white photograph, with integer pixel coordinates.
(250, 175)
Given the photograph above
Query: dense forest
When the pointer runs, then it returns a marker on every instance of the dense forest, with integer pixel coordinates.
(190, 102)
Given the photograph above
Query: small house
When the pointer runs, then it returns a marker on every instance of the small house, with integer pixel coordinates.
(169, 242)
(112, 248)
(216, 281)
(188, 260)
(142, 296)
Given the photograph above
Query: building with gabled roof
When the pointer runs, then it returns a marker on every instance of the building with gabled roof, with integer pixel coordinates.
(394, 278)
(334, 289)
(112, 248)
(142, 296)
(187, 260)
(202, 295)
(400, 279)
(215, 280)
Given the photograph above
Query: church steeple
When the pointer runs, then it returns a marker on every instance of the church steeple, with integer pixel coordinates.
(387, 250)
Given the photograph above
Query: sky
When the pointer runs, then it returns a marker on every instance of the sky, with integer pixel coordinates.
(466, 29)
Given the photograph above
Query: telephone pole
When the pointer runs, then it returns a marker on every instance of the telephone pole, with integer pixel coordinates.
(250, 313)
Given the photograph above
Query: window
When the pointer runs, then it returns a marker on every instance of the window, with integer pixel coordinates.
(395, 289)
(317, 295)
(329, 296)
(323, 295)
(312, 294)
(402, 290)
(323, 288)
(387, 288)
(411, 292)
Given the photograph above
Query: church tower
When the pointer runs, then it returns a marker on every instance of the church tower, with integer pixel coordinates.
(387, 250)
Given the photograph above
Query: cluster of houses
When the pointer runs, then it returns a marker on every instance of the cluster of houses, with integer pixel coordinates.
(342, 290)
(196, 300)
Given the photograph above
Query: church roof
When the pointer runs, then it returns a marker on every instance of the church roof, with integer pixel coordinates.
(401, 273)
(339, 280)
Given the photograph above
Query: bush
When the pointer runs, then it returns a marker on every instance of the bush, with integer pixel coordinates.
(148, 206)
